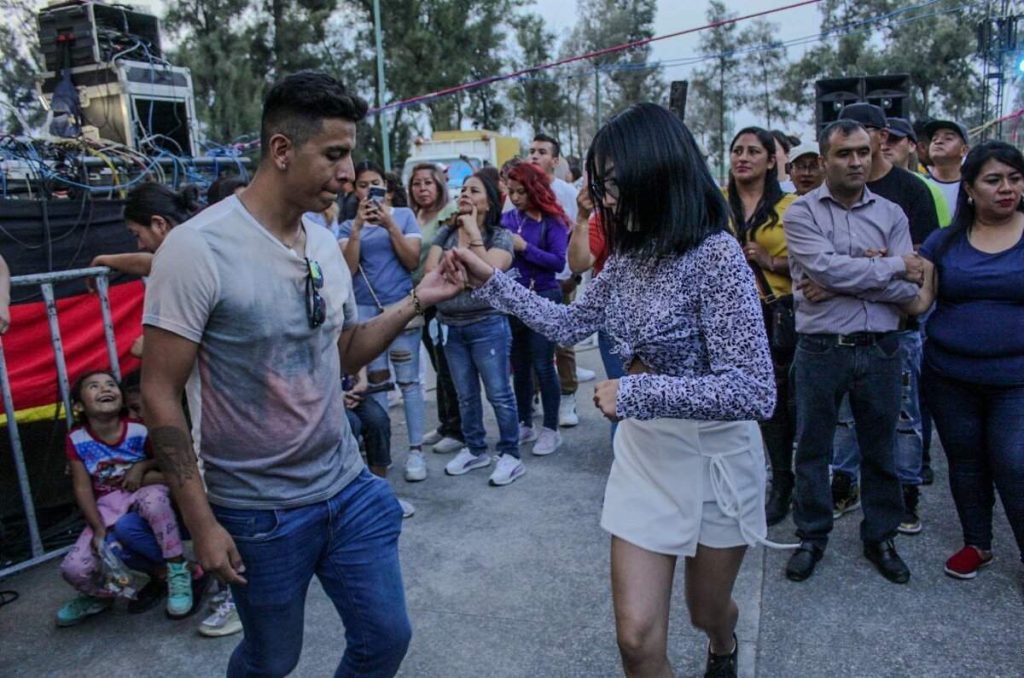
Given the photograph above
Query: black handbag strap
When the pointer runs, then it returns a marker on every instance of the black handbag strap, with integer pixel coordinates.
(762, 281)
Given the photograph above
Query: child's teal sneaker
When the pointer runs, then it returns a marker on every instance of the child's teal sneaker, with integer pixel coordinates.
(179, 590)
(75, 611)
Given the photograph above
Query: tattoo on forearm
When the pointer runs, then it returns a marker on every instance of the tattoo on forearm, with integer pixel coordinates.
(174, 454)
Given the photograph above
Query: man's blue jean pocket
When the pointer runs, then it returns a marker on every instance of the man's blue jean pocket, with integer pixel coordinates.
(248, 525)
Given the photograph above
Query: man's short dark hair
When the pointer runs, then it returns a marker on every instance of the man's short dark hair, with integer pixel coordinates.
(551, 140)
(297, 105)
(844, 127)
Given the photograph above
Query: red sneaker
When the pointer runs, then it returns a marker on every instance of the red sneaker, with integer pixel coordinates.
(965, 563)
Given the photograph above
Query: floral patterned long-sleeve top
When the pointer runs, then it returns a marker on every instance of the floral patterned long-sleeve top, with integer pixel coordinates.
(694, 320)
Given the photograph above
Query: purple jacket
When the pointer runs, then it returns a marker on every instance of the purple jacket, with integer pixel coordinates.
(544, 257)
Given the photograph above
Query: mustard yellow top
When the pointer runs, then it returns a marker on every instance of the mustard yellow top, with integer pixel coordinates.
(773, 239)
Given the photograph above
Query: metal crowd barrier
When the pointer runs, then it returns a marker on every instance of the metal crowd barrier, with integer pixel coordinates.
(46, 281)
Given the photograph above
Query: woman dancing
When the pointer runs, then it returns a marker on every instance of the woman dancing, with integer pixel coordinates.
(679, 301)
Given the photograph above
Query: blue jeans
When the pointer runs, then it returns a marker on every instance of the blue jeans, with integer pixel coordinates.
(982, 432)
(371, 422)
(612, 365)
(403, 355)
(824, 372)
(478, 351)
(533, 352)
(909, 439)
(132, 540)
(350, 542)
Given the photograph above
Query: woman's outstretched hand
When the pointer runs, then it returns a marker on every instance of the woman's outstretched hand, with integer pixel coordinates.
(463, 264)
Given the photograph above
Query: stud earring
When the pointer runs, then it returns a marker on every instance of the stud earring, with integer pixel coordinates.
(970, 200)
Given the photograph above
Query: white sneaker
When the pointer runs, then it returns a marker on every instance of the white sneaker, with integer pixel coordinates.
(448, 445)
(583, 374)
(408, 510)
(547, 442)
(223, 622)
(465, 461)
(415, 466)
(507, 470)
(567, 411)
(433, 437)
(527, 434)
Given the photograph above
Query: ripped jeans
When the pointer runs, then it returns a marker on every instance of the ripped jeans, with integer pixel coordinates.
(403, 357)
(909, 441)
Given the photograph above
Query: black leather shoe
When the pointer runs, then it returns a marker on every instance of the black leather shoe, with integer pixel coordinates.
(888, 562)
(777, 507)
(801, 563)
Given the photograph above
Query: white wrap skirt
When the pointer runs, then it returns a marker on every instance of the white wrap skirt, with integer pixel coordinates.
(676, 483)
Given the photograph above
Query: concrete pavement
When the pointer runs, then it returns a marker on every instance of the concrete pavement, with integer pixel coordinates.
(514, 582)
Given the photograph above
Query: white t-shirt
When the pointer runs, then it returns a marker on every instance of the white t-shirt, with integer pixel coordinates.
(566, 195)
(273, 428)
(950, 191)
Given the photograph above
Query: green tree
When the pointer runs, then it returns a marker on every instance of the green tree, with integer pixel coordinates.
(538, 99)
(20, 110)
(765, 64)
(928, 43)
(717, 88)
(228, 87)
(625, 76)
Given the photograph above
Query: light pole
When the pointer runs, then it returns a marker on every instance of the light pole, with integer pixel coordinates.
(381, 118)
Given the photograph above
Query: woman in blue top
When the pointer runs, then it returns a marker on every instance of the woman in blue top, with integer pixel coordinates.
(382, 247)
(540, 235)
(973, 373)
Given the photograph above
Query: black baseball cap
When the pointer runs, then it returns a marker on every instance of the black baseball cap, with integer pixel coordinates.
(901, 128)
(934, 126)
(868, 115)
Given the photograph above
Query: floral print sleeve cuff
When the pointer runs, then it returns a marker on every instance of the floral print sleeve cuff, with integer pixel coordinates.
(563, 324)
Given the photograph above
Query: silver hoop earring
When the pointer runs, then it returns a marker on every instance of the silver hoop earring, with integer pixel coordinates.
(970, 200)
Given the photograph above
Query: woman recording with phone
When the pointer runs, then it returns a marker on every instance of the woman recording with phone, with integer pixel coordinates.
(382, 247)
(477, 340)
(679, 302)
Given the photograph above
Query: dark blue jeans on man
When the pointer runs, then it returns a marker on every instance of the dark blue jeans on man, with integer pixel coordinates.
(350, 542)
(982, 433)
(868, 368)
(371, 422)
(533, 353)
(909, 438)
(480, 351)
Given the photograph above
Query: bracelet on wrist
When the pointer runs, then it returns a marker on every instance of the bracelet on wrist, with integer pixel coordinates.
(416, 305)
(476, 243)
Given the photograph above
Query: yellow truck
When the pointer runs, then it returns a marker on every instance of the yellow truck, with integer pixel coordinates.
(461, 152)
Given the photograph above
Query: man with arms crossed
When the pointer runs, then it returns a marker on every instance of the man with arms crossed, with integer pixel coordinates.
(846, 295)
(263, 300)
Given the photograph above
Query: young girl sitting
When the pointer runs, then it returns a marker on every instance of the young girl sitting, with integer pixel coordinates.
(112, 475)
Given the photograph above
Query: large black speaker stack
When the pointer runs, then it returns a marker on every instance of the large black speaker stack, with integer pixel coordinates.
(890, 92)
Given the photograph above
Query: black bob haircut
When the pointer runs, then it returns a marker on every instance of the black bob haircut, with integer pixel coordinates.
(844, 127)
(297, 105)
(547, 138)
(668, 202)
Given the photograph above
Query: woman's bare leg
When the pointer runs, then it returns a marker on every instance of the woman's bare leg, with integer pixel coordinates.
(710, 575)
(642, 593)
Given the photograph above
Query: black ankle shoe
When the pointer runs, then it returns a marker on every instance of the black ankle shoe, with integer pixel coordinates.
(888, 562)
(723, 665)
(777, 507)
(801, 563)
